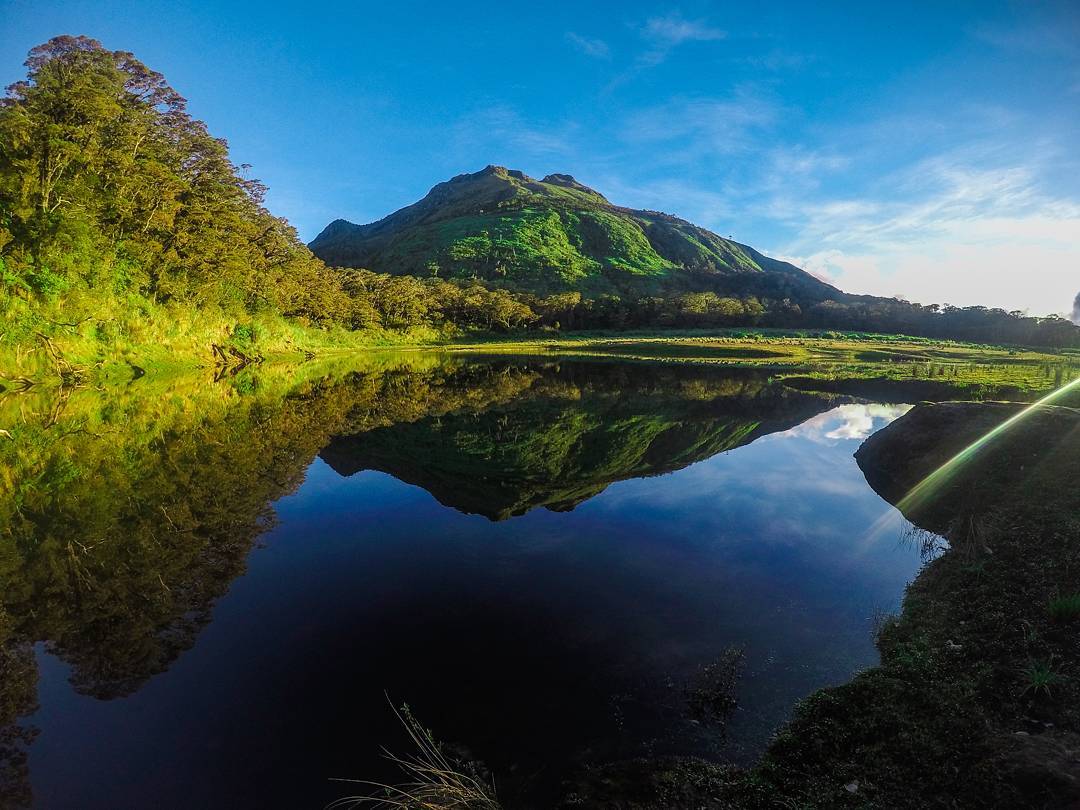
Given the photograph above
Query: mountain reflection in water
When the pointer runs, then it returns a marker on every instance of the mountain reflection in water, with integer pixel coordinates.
(688, 511)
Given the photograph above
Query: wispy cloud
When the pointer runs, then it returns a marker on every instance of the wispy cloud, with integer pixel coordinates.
(702, 126)
(499, 132)
(949, 232)
(596, 48)
(666, 33)
(673, 30)
(1059, 37)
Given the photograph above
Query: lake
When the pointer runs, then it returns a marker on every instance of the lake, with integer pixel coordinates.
(216, 592)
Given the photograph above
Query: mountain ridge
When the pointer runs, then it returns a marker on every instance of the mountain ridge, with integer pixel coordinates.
(555, 234)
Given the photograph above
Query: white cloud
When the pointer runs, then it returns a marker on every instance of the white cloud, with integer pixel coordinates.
(1029, 276)
(500, 134)
(846, 422)
(984, 236)
(687, 200)
(674, 30)
(666, 33)
(596, 48)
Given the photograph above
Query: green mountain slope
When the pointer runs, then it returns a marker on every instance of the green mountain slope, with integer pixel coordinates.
(556, 234)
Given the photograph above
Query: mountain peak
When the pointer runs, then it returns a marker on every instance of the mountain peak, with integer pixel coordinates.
(499, 171)
(557, 234)
(566, 180)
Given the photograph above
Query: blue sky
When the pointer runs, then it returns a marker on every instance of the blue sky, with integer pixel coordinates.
(922, 150)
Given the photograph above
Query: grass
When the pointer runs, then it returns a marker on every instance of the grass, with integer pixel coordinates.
(1064, 608)
(60, 342)
(433, 780)
(822, 360)
(128, 336)
(1039, 678)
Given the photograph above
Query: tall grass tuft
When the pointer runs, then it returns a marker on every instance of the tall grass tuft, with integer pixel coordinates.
(1064, 608)
(433, 781)
(1040, 677)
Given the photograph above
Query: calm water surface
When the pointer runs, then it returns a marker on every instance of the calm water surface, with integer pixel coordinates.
(539, 558)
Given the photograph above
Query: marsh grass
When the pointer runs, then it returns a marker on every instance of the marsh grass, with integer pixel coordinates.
(970, 538)
(817, 359)
(433, 779)
(1039, 679)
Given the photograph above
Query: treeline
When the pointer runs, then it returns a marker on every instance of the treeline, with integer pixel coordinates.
(702, 310)
(401, 301)
(975, 324)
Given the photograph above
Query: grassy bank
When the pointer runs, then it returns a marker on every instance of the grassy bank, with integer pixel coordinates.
(71, 340)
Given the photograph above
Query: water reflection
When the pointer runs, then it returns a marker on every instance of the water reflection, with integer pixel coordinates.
(853, 421)
(579, 428)
(687, 512)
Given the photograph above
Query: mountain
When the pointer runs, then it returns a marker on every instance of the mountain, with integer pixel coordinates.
(556, 234)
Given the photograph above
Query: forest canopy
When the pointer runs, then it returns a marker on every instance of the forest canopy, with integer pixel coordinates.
(107, 183)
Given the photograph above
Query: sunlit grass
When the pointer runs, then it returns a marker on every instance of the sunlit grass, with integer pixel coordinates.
(432, 780)
(818, 359)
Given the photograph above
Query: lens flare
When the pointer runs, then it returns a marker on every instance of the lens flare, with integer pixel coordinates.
(921, 491)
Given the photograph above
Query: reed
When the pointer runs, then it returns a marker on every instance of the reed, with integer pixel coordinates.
(432, 779)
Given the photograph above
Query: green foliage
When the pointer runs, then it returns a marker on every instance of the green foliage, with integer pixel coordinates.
(126, 228)
(621, 243)
(1064, 608)
(243, 335)
(110, 185)
(1040, 678)
(45, 282)
(531, 244)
